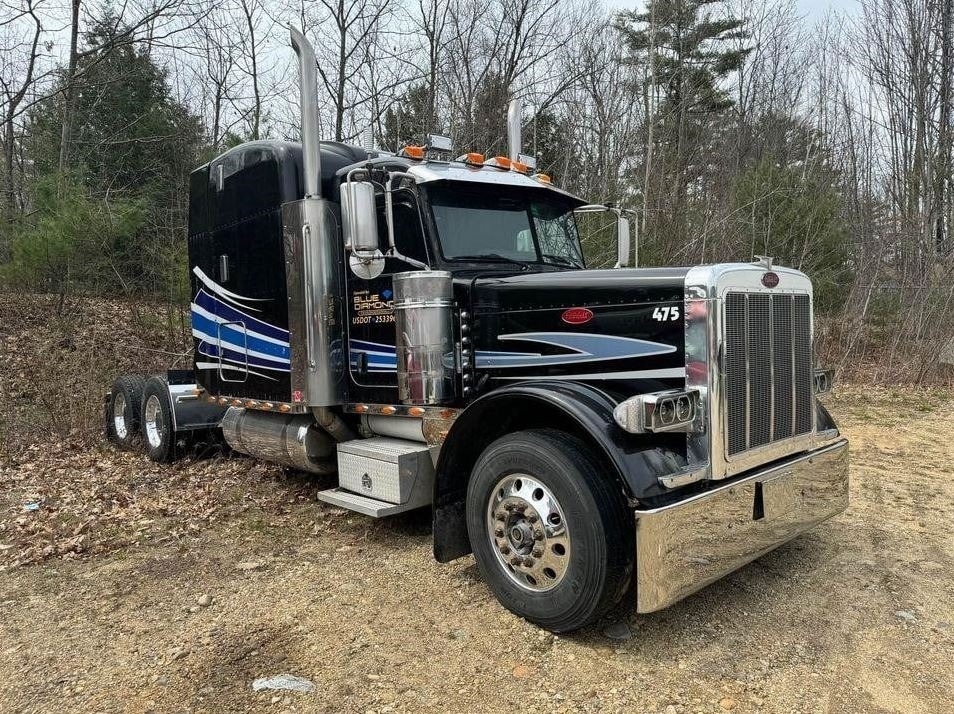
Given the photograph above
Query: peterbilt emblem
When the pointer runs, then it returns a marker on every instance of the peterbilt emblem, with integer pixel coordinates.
(577, 315)
(770, 279)
(366, 483)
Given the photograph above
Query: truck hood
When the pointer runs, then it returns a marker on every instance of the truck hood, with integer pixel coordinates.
(607, 326)
(588, 288)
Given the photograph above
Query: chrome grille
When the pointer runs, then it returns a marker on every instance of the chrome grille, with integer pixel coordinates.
(768, 368)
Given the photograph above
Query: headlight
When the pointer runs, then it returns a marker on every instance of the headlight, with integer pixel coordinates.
(673, 410)
(823, 380)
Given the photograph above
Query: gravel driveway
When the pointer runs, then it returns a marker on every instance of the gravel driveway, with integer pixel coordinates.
(135, 587)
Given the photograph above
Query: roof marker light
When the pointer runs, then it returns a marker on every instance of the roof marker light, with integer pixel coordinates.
(413, 152)
(501, 162)
(472, 159)
(543, 178)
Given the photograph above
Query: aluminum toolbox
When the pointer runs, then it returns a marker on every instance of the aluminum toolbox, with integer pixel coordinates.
(385, 469)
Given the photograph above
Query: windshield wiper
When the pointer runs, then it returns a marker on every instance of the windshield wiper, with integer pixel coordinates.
(492, 258)
(561, 260)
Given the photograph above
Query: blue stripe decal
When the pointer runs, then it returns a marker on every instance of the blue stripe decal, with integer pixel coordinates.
(585, 347)
(210, 350)
(380, 357)
(374, 361)
(362, 346)
(237, 338)
(229, 313)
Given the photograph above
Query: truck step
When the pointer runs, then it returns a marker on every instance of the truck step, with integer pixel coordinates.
(382, 476)
(362, 504)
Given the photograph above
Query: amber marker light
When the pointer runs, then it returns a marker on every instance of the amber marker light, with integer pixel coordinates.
(416, 411)
(519, 166)
(500, 162)
(471, 159)
(543, 178)
(388, 411)
(413, 152)
(361, 408)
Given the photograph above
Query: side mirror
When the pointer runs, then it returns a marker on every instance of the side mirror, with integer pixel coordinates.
(358, 217)
(622, 232)
(359, 224)
(622, 241)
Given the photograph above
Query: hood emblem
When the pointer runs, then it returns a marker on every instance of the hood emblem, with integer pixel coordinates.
(577, 316)
(770, 279)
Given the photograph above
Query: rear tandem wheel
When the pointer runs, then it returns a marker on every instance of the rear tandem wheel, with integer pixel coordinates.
(123, 411)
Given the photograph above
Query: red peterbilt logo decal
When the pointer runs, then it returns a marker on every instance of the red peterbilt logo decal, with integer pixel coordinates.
(770, 279)
(577, 316)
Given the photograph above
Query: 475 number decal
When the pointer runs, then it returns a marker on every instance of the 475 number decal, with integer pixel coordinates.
(667, 314)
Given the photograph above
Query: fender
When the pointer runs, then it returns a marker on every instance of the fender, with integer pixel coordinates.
(634, 462)
(189, 412)
(823, 419)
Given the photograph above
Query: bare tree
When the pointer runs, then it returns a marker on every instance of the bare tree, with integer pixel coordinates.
(254, 29)
(218, 56)
(17, 76)
(346, 58)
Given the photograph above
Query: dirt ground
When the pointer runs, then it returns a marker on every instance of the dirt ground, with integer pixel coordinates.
(132, 587)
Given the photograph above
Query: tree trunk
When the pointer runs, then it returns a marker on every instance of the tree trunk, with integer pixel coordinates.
(66, 130)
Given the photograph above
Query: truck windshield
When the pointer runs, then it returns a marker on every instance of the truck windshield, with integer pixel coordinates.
(482, 223)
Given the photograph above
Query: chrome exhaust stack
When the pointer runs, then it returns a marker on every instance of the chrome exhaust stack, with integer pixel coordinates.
(312, 256)
(308, 93)
(514, 112)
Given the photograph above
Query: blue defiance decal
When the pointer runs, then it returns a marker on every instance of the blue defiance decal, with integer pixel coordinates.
(235, 339)
(583, 348)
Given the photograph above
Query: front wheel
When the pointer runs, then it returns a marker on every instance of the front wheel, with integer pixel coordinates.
(549, 529)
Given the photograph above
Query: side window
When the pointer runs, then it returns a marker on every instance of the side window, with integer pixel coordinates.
(242, 184)
(408, 233)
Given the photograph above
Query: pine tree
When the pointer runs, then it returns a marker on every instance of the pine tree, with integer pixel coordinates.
(133, 146)
(685, 51)
(405, 122)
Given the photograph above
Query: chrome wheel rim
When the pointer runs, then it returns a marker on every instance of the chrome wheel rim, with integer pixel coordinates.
(119, 416)
(153, 421)
(528, 532)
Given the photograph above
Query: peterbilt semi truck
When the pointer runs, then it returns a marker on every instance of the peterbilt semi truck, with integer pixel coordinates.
(423, 331)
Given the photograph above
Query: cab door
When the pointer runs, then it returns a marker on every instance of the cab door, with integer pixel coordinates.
(372, 356)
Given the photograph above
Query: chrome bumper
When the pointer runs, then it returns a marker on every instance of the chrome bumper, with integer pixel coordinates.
(685, 546)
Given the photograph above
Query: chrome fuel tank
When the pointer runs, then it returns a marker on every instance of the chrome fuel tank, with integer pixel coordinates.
(423, 311)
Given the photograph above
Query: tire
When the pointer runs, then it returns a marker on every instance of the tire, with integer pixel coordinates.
(158, 434)
(583, 536)
(123, 410)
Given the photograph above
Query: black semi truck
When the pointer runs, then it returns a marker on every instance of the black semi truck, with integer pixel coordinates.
(426, 329)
